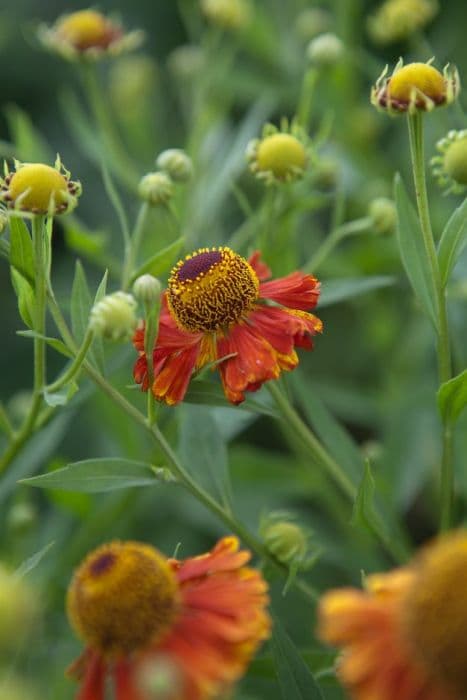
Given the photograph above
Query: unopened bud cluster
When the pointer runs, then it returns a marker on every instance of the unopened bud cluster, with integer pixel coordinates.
(175, 166)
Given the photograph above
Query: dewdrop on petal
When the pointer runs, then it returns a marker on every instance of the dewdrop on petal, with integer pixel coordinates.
(114, 317)
(279, 155)
(450, 167)
(147, 289)
(383, 214)
(156, 188)
(39, 189)
(227, 14)
(415, 87)
(325, 50)
(176, 163)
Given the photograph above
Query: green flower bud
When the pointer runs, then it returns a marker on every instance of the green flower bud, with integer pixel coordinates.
(325, 50)
(147, 289)
(114, 317)
(383, 214)
(176, 163)
(156, 188)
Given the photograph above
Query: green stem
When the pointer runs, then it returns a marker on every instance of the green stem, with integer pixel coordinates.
(351, 228)
(131, 253)
(174, 464)
(123, 166)
(39, 240)
(74, 367)
(312, 443)
(305, 103)
(415, 123)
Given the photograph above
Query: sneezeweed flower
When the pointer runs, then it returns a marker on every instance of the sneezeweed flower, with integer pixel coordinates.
(147, 621)
(114, 317)
(36, 188)
(280, 155)
(230, 15)
(325, 50)
(156, 188)
(383, 214)
(217, 311)
(450, 167)
(405, 636)
(176, 163)
(415, 87)
(88, 34)
(396, 20)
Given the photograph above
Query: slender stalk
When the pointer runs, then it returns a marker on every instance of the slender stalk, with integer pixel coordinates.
(415, 123)
(39, 240)
(305, 103)
(176, 467)
(335, 237)
(74, 367)
(311, 442)
(131, 254)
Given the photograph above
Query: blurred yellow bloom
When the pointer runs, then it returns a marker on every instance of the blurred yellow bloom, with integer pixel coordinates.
(396, 20)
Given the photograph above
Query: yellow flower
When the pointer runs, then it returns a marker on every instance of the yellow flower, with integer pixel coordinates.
(88, 34)
(279, 155)
(415, 87)
(396, 20)
(451, 166)
(406, 635)
(39, 189)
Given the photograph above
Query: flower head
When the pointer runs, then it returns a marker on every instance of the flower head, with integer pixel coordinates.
(406, 635)
(227, 14)
(415, 87)
(279, 155)
(216, 311)
(383, 214)
(287, 541)
(450, 167)
(155, 624)
(396, 20)
(88, 34)
(325, 50)
(114, 316)
(176, 163)
(39, 189)
(156, 188)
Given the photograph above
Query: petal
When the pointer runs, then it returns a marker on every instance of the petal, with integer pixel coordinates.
(93, 683)
(171, 382)
(125, 688)
(224, 557)
(297, 291)
(263, 272)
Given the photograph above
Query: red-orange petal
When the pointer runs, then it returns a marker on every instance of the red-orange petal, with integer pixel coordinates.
(171, 382)
(297, 291)
(125, 688)
(263, 272)
(93, 684)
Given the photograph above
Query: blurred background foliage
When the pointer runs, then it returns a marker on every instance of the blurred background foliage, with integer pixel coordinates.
(367, 389)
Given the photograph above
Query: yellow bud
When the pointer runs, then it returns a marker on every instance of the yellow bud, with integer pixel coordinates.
(283, 155)
(420, 77)
(85, 29)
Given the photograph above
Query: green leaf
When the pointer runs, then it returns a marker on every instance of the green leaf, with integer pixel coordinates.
(211, 394)
(116, 201)
(162, 261)
(54, 343)
(31, 563)
(296, 681)
(96, 476)
(81, 303)
(25, 295)
(413, 253)
(84, 242)
(21, 250)
(62, 397)
(453, 241)
(363, 513)
(452, 397)
(204, 451)
(335, 291)
(30, 144)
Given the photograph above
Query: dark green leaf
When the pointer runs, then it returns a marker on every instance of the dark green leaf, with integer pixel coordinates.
(161, 262)
(21, 250)
(210, 394)
(25, 295)
(453, 241)
(81, 303)
(96, 476)
(54, 343)
(413, 253)
(295, 678)
(335, 291)
(61, 398)
(452, 397)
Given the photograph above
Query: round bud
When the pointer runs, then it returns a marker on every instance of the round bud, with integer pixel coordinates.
(227, 14)
(285, 540)
(325, 50)
(19, 608)
(147, 289)
(156, 188)
(176, 163)
(383, 214)
(114, 317)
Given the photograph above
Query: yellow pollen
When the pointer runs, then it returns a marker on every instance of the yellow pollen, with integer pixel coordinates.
(123, 596)
(211, 289)
(435, 612)
(86, 29)
(419, 76)
(37, 186)
(281, 154)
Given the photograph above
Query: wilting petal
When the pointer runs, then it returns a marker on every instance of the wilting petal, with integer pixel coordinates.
(297, 291)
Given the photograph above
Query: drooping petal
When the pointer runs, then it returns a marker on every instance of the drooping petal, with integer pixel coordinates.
(171, 381)
(297, 291)
(94, 672)
(263, 272)
(285, 328)
(125, 686)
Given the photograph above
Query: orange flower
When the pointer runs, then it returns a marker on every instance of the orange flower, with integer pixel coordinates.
(215, 310)
(406, 635)
(147, 621)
